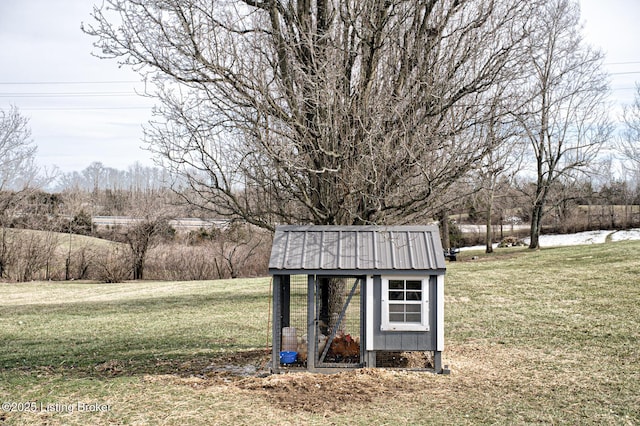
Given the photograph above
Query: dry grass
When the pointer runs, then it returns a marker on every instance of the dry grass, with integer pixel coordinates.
(531, 337)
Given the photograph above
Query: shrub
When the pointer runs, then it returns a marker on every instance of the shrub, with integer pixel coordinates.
(28, 255)
(112, 265)
(511, 241)
(181, 262)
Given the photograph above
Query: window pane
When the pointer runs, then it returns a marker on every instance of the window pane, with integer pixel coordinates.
(414, 285)
(396, 295)
(414, 317)
(414, 295)
(403, 304)
(396, 285)
(396, 308)
(396, 317)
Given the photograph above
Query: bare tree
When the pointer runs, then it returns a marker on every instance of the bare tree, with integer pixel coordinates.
(141, 237)
(235, 247)
(566, 119)
(35, 253)
(18, 174)
(325, 112)
(629, 141)
(112, 264)
(150, 223)
(17, 152)
(94, 176)
(503, 162)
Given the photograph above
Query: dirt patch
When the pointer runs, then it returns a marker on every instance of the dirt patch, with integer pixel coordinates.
(344, 392)
(335, 393)
(312, 392)
(410, 360)
(247, 372)
(481, 372)
(303, 391)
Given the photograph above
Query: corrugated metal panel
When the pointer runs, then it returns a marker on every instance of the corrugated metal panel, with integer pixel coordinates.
(356, 249)
(348, 250)
(329, 250)
(314, 242)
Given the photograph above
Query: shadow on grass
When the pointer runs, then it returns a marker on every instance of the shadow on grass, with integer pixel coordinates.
(185, 366)
(132, 337)
(113, 364)
(145, 304)
(240, 362)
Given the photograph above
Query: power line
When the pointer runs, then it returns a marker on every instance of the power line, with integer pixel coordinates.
(622, 63)
(85, 108)
(68, 82)
(624, 72)
(65, 95)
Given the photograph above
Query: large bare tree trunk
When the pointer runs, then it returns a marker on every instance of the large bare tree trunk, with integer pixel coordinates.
(489, 231)
(331, 302)
(337, 298)
(536, 223)
(443, 218)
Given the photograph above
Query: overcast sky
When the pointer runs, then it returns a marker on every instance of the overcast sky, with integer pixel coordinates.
(83, 109)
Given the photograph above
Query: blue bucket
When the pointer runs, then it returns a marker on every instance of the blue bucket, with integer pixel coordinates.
(287, 357)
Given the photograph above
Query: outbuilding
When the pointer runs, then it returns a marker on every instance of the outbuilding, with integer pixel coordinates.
(347, 296)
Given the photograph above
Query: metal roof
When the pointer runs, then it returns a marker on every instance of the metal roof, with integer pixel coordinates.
(356, 250)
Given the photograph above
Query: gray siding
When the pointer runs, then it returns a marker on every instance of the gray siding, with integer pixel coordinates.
(403, 340)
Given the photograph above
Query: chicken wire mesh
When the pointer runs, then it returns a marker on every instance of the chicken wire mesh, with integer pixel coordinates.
(337, 313)
(409, 360)
(338, 307)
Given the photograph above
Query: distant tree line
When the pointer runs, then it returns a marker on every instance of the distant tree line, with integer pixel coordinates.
(98, 177)
(53, 243)
(41, 233)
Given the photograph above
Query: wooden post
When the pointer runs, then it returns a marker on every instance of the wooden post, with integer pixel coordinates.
(276, 330)
(363, 318)
(285, 301)
(312, 339)
(437, 361)
(370, 359)
(437, 354)
(324, 300)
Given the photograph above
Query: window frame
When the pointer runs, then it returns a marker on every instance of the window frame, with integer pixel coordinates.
(385, 323)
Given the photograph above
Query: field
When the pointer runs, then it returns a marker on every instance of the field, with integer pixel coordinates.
(550, 336)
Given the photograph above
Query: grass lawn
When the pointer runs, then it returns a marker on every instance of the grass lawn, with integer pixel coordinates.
(551, 336)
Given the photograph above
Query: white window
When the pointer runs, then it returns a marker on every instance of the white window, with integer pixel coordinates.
(405, 304)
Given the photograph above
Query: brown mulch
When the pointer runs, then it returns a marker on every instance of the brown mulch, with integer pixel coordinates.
(336, 393)
(299, 390)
